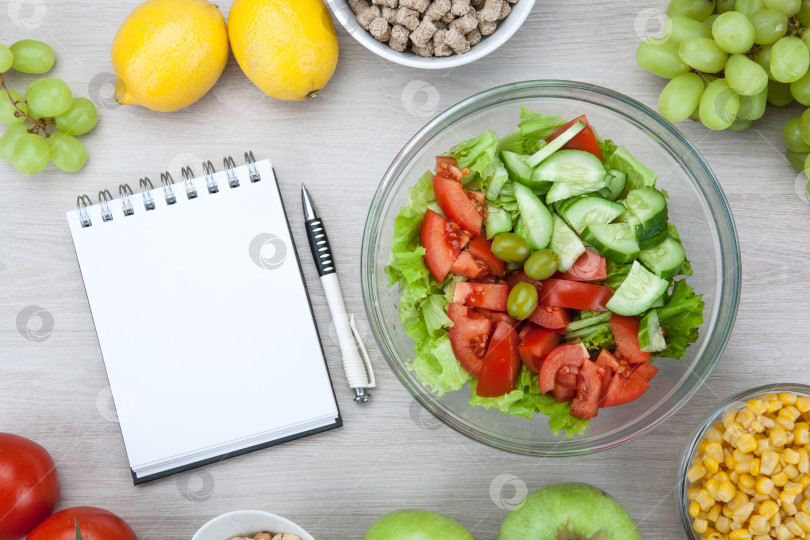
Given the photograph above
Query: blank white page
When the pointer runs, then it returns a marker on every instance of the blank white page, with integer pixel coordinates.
(210, 344)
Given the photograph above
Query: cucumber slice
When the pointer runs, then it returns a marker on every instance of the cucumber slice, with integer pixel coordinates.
(665, 259)
(563, 139)
(566, 244)
(650, 333)
(538, 184)
(638, 175)
(499, 179)
(650, 207)
(519, 171)
(662, 300)
(573, 172)
(497, 221)
(616, 241)
(587, 210)
(536, 217)
(637, 292)
(616, 181)
(521, 230)
(649, 243)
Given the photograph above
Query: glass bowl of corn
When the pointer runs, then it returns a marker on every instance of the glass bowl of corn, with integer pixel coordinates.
(745, 474)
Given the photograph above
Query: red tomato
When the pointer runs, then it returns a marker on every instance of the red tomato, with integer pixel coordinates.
(552, 317)
(535, 345)
(29, 486)
(94, 524)
(625, 334)
(570, 354)
(490, 296)
(469, 337)
(518, 276)
(481, 249)
(501, 364)
(589, 267)
(624, 387)
(468, 266)
(589, 390)
(450, 160)
(608, 361)
(584, 140)
(443, 241)
(563, 394)
(458, 205)
(447, 167)
(646, 371)
(498, 316)
(574, 295)
(567, 377)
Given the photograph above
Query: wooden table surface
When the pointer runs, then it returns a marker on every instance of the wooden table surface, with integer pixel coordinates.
(390, 454)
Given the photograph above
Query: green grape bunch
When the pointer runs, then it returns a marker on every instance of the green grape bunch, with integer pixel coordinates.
(727, 59)
(44, 122)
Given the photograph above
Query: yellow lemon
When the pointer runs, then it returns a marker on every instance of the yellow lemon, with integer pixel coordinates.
(169, 53)
(288, 48)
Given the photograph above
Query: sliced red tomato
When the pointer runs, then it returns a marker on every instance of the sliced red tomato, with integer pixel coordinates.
(646, 371)
(528, 327)
(574, 295)
(589, 390)
(447, 167)
(589, 267)
(491, 296)
(563, 394)
(481, 249)
(584, 140)
(608, 361)
(469, 337)
(450, 160)
(552, 317)
(443, 241)
(624, 387)
(501, 363)
(498, 316)
(567, 377)
(458, 205)
(468, 266)
(570, 354)
(535, 345)
(519, 276)
(625, 334)
(607, 375)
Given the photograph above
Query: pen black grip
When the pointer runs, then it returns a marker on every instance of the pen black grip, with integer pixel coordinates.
(319, 244)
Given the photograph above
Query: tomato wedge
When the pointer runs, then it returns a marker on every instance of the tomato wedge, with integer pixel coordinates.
(570, 354)
(563, 394)
(498, 316)
(535, 345)
(469, 337)
(458, 205)
(589, 267)
(519, 276)
(443, 241)
(567, 377)
(450, 160)
(447, 167)
(574, 295)
(584, 140)
(481, 249)
(624, 387)
(491, 296)
(589, 390)
(552, 317)
(501, 363)
(468, 266)
(608, 361)
(646, 371)
(625, 334)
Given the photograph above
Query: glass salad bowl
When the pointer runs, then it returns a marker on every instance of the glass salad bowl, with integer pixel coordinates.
(697, 206)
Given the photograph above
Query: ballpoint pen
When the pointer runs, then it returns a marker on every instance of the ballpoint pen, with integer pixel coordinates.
(359, 373)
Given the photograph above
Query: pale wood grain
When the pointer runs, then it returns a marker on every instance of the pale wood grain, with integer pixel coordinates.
(336, 484)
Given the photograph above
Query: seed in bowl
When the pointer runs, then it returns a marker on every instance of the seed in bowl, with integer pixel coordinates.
(269, 536)
(750, 478)
(431, 27)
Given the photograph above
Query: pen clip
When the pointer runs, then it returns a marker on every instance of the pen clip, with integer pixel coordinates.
(372, 383)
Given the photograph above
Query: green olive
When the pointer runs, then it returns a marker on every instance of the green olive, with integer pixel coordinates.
(522, 300)
(541, 265)
(510, 247)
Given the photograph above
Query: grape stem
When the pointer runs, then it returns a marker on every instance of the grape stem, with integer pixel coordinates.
(39, 125)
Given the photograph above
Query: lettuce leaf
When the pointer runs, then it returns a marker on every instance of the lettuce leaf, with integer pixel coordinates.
(478, 154)
(616, 272)
(535, 128)
(436, 366)
(606, 147)
(680, 318)
(526, 400)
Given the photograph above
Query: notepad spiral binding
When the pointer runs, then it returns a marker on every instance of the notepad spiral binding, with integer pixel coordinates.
(126, 194)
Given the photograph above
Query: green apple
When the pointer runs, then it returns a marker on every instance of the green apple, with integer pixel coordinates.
(569, 512)
(412, 524)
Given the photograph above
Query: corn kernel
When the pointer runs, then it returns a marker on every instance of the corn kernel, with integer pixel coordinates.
(713, 535)
(774, 405)
(767, 421)
(790, 509)
(713, 487)
(747, 481)
(792, 471)
(803, 519)
(782, 533)
(778, 437)
(728, 421)
(714, 435)
(764, 485)
(793, 488)
(714, 450)
(788, 398)
(739, 534)
(763, 445)
(692, 492)
(803, 404)
(712, 465)
(700, 525)
(761, 407)
(793, 527)
(753, 467)
(767, 509)
(786, 424)
(742, 467)
(780, 478)
(695, 473)
(805, 506)
(746, 443)
(786, 499)
(701, 447)
(705, 500)
(742, 512)
(762, 537)
(729, 462)
(791, 456)
(745, 417)
(770, 460)
(723, 524)
(694, 509)
(758, 524)
(790, 412)
(714, 513)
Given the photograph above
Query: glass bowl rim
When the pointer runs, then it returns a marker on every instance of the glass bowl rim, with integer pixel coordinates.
(461, 108)
(690, 447)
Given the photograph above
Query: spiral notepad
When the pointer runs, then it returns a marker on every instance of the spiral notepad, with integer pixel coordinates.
(203, 317)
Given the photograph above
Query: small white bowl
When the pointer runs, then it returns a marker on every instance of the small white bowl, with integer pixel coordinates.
(247, 523)
(506, 28)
